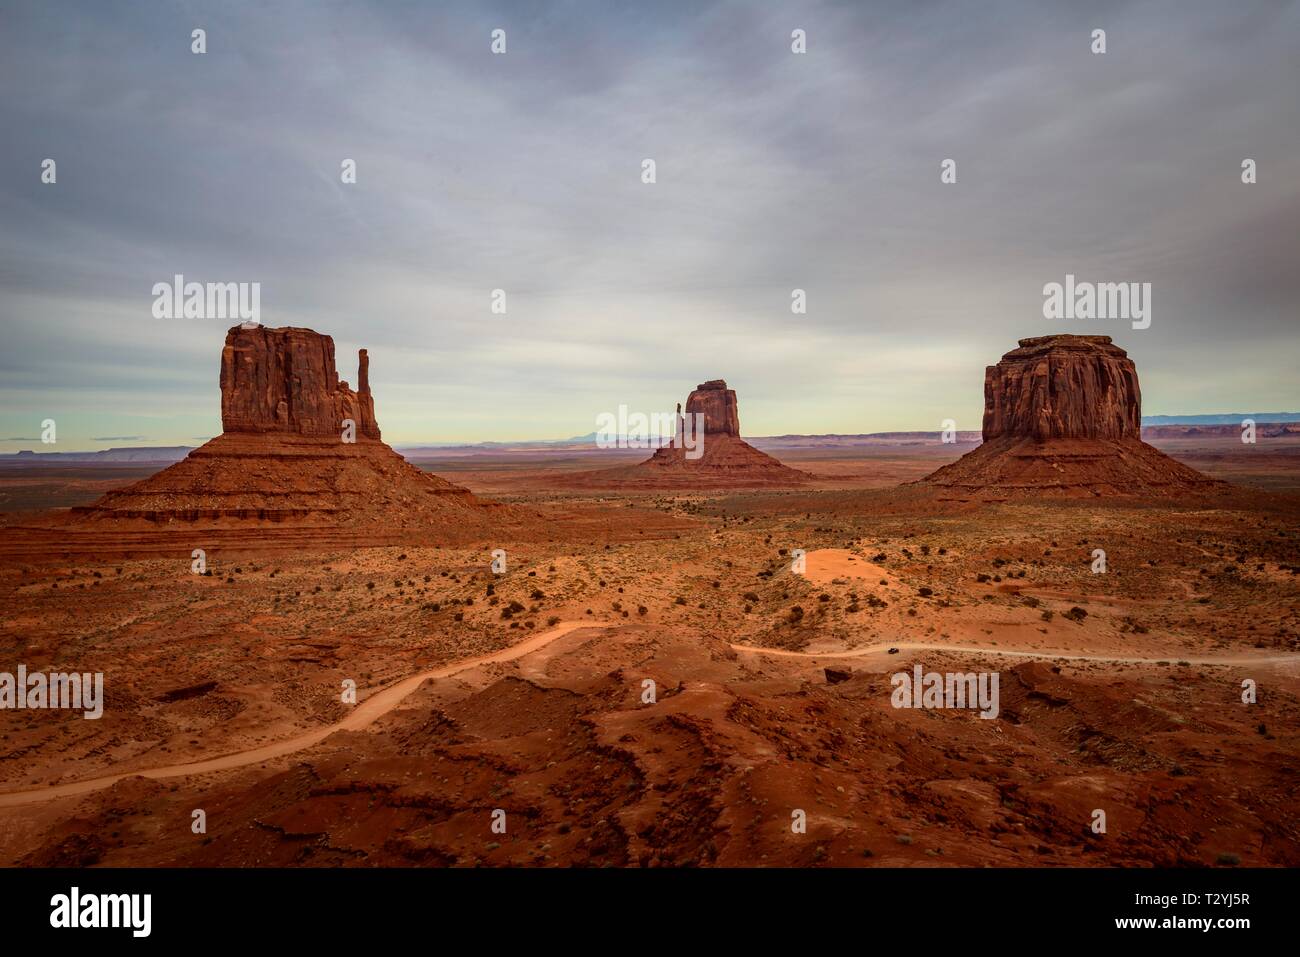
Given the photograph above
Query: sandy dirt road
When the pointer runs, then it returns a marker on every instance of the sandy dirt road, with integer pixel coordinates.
(386, 699)
(365, 713)
(1045, 655)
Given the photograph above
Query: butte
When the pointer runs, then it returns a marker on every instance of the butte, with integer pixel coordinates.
(727, 460)
(1062, 417)
(287, 458)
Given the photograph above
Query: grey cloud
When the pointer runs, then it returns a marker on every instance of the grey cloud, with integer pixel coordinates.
(521, 172)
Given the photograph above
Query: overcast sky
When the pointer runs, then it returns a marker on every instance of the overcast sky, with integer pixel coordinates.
(522, 172)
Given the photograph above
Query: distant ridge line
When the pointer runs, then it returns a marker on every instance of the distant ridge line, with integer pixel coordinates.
(174, 453)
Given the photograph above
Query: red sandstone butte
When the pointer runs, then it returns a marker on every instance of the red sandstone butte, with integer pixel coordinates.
(718, 405)
(282, 458)
(727, 460)
(284, 380)
(1062, 415)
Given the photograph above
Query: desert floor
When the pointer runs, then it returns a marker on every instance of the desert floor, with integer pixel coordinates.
(527, 692)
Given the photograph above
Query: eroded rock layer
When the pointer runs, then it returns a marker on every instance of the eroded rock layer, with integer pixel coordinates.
(722, 458)
(285, 478)
(1062, 416)
(284, 380)
(287, 455)
(717, 404)
(1063, 387)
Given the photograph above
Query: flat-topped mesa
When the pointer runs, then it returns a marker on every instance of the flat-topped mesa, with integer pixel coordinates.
(1063, 387)
(1062, 417)
(714, 457)
(286, 458)
(718, 403)
(284, 380)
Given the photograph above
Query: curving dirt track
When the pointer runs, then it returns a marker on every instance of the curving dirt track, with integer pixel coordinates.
(365, 713)
(385, 700)
(1037, 655)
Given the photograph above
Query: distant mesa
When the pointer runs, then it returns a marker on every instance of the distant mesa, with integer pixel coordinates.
(1062, 416)
(282, 458)
(723, 459)
(717, 404)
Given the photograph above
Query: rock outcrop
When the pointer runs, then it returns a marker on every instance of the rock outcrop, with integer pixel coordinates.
(284, 380)
(1063, 387)
(285, 457)
(721, 459)
(1062, 416)
(717, 404)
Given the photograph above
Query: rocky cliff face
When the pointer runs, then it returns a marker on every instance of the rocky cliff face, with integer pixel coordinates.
(722, 460)
(1062, 417)
(280, 462)
(284, 380)
(718, 403)
(1063, 387)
